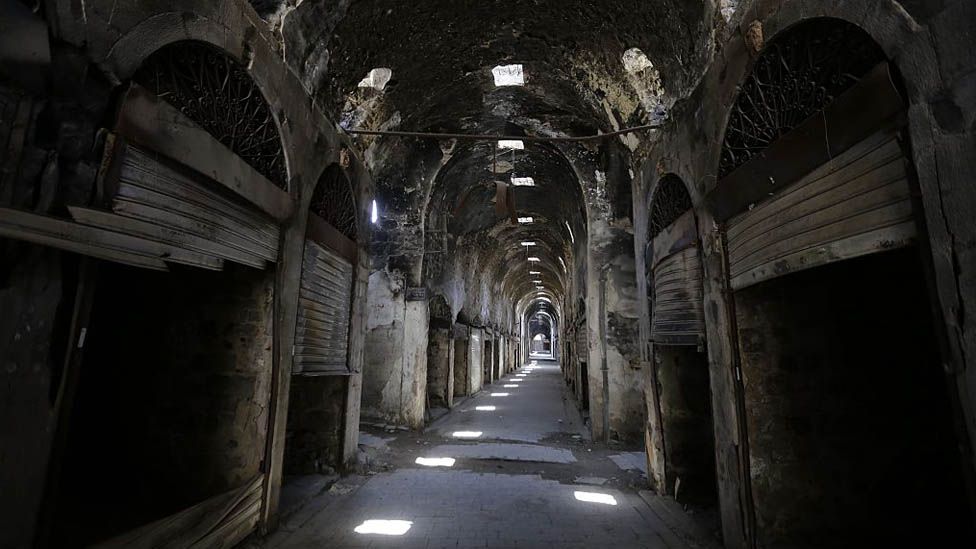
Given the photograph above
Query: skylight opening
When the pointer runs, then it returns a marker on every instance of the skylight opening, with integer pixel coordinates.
(523, 182)
(377, 79)
(534, 259)
(508, 75)
(528, 243)
(525, 220)
(374, 215)
(511, 145)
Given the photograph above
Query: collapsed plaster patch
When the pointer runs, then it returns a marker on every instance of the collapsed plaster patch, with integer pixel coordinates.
(728, 7)
(646, 81)
(365, 103)
(377, 79)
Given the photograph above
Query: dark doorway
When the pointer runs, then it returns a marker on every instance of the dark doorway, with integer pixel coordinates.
(171, 404)
(850, 428)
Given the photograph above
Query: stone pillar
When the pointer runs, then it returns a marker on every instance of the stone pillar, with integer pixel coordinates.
(395, 364)
(475, 358)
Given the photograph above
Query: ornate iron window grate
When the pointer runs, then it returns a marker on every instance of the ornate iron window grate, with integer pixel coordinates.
(334, 202)
(670, 201)
(796, 76)
(217, 93)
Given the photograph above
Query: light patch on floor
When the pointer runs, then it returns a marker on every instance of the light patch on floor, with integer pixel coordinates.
(435, 462)
(384, 527)
(507, 452)
(593, 497)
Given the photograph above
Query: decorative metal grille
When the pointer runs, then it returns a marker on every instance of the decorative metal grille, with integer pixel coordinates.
(795, 77)
(670, 201)
(334, 202)
(217, 93)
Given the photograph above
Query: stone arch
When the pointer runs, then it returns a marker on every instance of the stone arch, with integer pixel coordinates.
(228, 32)
(334, 200)
(797, 74)
(669, 200)
(211, 88)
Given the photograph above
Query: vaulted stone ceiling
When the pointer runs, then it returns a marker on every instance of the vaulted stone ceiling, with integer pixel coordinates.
(441, 54)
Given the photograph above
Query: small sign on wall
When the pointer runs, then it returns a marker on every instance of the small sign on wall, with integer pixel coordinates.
(416, 294)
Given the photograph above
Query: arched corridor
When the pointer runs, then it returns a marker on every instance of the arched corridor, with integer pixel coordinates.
(673, 273)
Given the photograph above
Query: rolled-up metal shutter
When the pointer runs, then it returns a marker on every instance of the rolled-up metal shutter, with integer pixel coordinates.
(859, 203)
(325, 306)
(677, 316)
(158, 204)
(582, 348)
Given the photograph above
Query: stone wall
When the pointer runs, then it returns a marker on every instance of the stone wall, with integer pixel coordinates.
(461, 341)
(316, 426)
(440, 371)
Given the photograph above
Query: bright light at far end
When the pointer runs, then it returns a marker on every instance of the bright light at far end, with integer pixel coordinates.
(525, 220)
(523, 182)
(511, 145)
(466, 434)
(535, 273)
(528, 243)
(485, 408)
(593, 497)
(435, 462)
(384, 527)
(374, 215)
(534, 259)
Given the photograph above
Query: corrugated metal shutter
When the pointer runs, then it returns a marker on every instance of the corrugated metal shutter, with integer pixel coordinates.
(325, 305)
(859, 203)
(677, 316)
(180, 208)
(582, 348)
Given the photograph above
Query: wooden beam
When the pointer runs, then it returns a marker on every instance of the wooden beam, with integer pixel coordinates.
(165, 236)
(81, 239)
(320, 231)
(153, 123)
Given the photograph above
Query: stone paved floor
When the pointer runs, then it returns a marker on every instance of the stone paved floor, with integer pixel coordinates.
(533, 497)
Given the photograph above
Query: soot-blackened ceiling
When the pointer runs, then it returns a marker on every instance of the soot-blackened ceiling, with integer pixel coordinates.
(440, 55)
